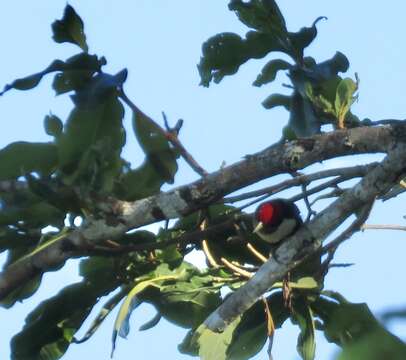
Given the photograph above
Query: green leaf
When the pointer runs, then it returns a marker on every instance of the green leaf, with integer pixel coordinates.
(223, 53)
(306, 344)
(99, 89)
(250, 334)
(131, 302)
(22, 157)
(275, 100)
(212, 345)
(187, 305)
(77, 72)
(139, 183)
(376, 345)
(156, 147)
(151, 323)
(32, 81)
(262, 15)
(70, 29)
(330, 68)
(90, 146)
(304, 37)
(53, 125)
(107, 308)
(303, 121)
(356, 330)
(269, 71)
(50, 327)
(344, 99)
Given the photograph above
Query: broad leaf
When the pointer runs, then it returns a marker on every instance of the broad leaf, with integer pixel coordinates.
(90, 146)
(275, 100)
(356, 330)
(303, 121)
(49, 329)
(53, 125)
(22, 158)
(76, 72)
(262, 15)
(250, 334)
(344, 99)
(131, 302)
(302, 314)
(270, 70)
(70, 29)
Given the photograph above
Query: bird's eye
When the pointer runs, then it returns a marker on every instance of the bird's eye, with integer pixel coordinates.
(266, 213)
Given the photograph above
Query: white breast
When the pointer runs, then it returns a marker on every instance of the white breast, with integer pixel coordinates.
(284, 230)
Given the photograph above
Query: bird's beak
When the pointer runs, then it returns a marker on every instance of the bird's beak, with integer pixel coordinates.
(258, 227)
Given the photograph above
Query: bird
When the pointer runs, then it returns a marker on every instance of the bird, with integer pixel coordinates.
(276, 219)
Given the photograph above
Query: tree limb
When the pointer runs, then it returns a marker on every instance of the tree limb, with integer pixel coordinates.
(309, 238)
(121, 216)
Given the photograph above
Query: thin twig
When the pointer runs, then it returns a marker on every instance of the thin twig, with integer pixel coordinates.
(205, 246)
(332, 246)
(383, 227)
(347, 172)
(256, 253)
(171, 136)
(236, 268)
(187, 238)
(304, 184)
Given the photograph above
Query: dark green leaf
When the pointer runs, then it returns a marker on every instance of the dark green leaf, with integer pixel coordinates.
(224, 53)
(107, 308)
(77, 72)
(376, 345)
(303, 38)
(131, 302)
(33, 80)
(262, 15)
(90, 146)
(275, 100)
(306, 344)
(22, 157)
(151, 323)
(330, 68)
(39, 213)
(269, 71)
(50, 327)
(303, 121)
(70, 29)
(99, 89)
(156, 147)
(53, 125)
(250, 334)
(139, 183)
(356, 330)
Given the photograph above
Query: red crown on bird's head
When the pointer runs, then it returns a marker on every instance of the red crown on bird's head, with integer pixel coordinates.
(266, 213)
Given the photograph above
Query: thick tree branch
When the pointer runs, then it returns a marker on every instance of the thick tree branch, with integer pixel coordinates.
(121, 216)
(309, 238)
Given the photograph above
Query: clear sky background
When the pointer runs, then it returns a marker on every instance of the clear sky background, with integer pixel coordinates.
(159, 41)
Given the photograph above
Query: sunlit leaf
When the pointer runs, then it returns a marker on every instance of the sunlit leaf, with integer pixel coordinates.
(344, 99)
(306, 344)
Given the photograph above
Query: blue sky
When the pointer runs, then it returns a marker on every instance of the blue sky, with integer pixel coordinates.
(159, 41)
